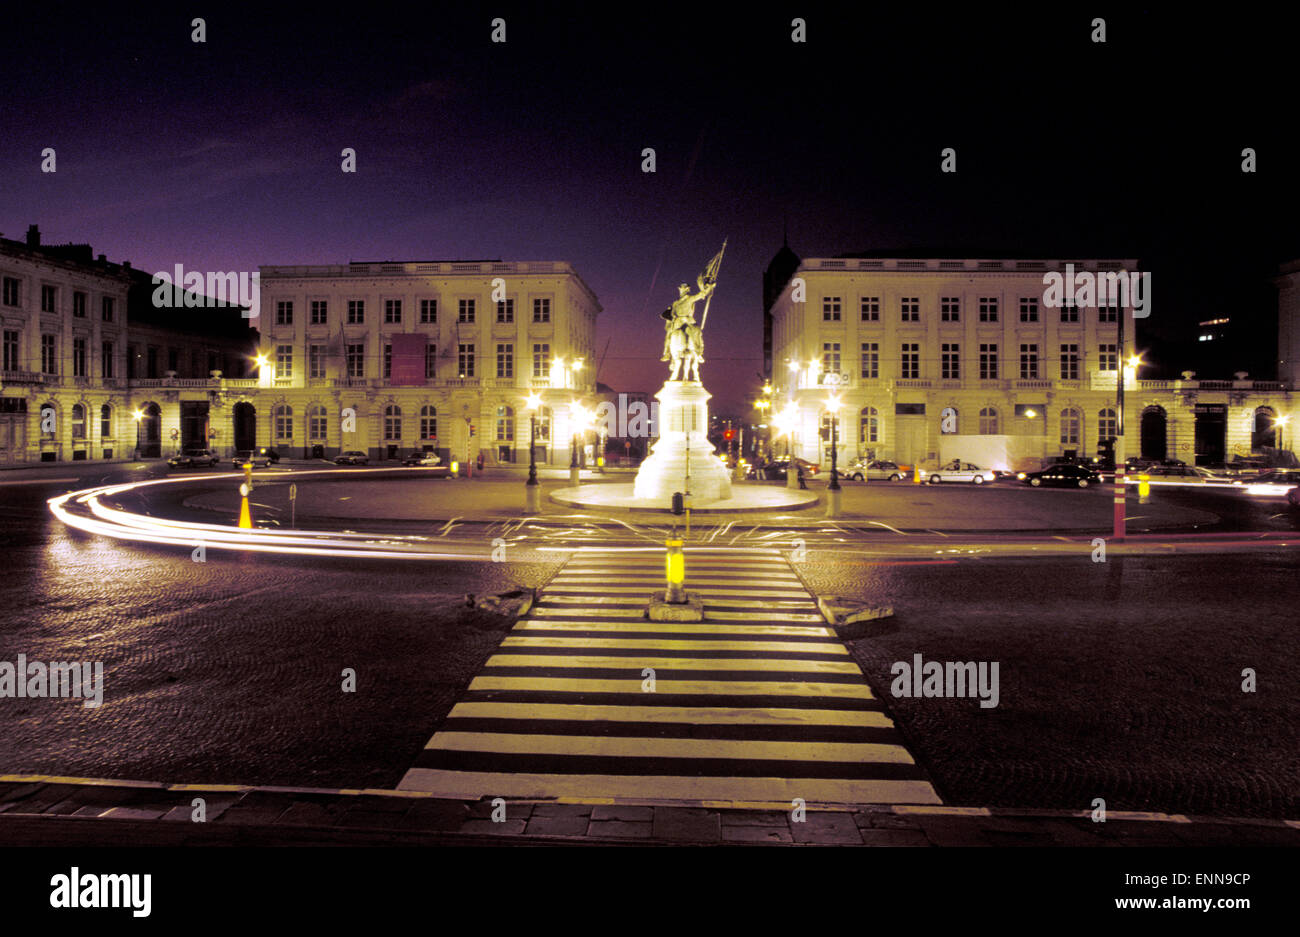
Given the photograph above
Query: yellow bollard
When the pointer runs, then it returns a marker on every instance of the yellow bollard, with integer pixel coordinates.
(916, 474)
(675, 572)
(245, 516)
(1144, 488)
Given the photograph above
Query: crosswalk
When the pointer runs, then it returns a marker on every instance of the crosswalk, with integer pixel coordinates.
(586, 698)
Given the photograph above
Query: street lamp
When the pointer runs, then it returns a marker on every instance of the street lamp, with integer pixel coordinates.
(833, 490)
(578, 416)
(532, 499)
(785, 422)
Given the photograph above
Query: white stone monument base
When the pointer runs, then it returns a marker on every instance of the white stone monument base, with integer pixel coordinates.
(683, 447)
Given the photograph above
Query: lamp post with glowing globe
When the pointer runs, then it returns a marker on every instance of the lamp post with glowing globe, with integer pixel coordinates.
(532, 490)
(833, 490)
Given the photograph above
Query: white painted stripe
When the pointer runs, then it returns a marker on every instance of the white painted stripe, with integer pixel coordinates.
(651, 582)
(760, 615)
(563, 589)
(472, 785)
(696, 715)
(688, 687)
(788, 605)
(670, 627)
(675, 663)
(624, 747)
(666, 644)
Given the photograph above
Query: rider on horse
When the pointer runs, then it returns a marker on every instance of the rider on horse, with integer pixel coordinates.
(681, 316)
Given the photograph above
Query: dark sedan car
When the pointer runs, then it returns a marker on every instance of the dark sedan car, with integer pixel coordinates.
(776, 471)
(258, 458)
(193, 458)
(352, 457)
(1066, 476)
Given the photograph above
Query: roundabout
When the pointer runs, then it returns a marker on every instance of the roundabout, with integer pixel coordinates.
(741, 499)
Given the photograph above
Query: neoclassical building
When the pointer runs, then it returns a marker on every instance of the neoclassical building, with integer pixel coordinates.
(393, 357)
(914, 348)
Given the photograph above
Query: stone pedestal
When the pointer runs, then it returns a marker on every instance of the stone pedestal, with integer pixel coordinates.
(683, 445)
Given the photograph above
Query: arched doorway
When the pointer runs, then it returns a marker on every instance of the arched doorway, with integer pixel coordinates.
(245, 426)
(1154, 433)
(1264, 431)
(148, 438)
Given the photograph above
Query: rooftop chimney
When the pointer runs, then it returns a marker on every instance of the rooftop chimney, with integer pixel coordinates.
(103, 258)
(33, 236)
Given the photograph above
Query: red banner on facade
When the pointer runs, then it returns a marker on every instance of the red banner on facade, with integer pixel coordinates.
(408, 360)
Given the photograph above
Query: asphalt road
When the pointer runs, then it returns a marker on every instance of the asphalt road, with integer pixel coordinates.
(1120, 680)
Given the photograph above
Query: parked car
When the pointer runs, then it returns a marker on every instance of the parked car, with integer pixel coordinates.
(193, 458)
(1293, 497)
(352, 457)
(1062, 475)
(876, 470)
(1178, 474)
(777, 469)
(422, 458)
(1278, 482)
(258, 458)
(958, 471)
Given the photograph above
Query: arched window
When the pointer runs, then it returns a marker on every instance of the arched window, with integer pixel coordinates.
(1071, 427)
(428, 422)
(1107, 426)
(869, 426)
(505, 424)
(49, 417)
(988, 421)
(392, 421)
(1264, 431)
(316, 422)
(106, 422)
(282, 419)
(78, 421)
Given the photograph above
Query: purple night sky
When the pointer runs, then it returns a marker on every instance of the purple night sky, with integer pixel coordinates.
(225, 155)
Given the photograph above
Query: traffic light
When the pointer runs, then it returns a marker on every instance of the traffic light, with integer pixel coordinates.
(729, 435)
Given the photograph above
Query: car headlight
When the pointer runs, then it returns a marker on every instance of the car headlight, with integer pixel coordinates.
(1021, 475)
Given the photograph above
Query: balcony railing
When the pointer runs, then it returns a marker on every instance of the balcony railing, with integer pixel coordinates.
(23, 377)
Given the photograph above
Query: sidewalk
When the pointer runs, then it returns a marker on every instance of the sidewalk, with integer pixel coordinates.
(50, 811)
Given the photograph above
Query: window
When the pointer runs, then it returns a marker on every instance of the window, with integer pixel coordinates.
(1029, 362)
(950, 362)
(284, 312)
(106, 309)
(830, 359)
(356, 359)
(1069, 362)
(319, 312)
(283, 361)
(910, 307)
(506, 310)
(911, 361)
(505, 361)
(47, 299)
(829, 421)
(151, 361)
(428, 311)
(1069, 311)
(392, 422)
(316, 361)
(1108, 313)
(283, 416)
(541, 362)
(79, 305)
(831, 309)
(541, 310)
(11, 350)
(48, 407)
(78, 357)
(1070, 427)
(356, 311)
(430, 362)
(388, 360)
(428, 422)
(465, 359)
(316, 423)
(49, 355)
(1028, 308)
(1106, 357)
(11, 291)
(106, 361)
(868, 426)
(173, 360)
(392, 311)
(106, 422)
(78, 421)
(505, 424)
(870, 308)
(543, 437)
(988, 309)
(1107, 427)
(988, 362)
(988, 422)
(870, 360)
(950, 309)
(466, 313)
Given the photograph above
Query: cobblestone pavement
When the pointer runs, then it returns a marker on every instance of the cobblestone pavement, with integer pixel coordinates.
(61, 811)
